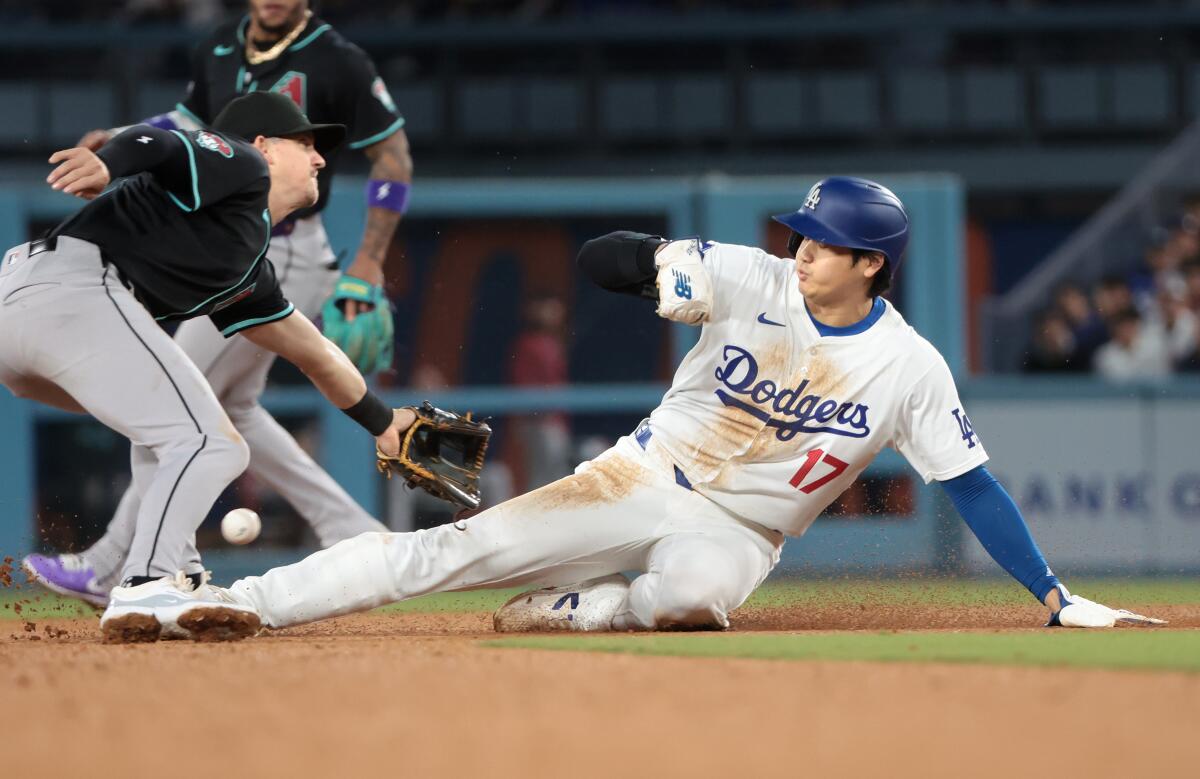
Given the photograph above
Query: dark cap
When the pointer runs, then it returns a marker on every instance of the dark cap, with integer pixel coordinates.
(275, 115)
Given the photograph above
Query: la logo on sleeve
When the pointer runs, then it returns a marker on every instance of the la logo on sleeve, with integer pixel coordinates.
(964, 427)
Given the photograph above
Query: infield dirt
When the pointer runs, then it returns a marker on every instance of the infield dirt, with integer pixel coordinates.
(414, 694)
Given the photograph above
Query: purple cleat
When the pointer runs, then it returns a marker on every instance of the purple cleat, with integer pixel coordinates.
(66, 574)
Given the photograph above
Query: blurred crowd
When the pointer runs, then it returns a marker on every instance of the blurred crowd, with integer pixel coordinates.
(203, 13)
(1125, 328)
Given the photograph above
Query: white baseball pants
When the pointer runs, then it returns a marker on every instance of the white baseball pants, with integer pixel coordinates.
(237, 371)
(623, 511)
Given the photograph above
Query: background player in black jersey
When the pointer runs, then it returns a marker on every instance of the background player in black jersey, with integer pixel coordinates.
(280, 46)
(182, 234)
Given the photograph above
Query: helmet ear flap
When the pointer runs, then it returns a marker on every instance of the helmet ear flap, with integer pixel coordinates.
(794, 243)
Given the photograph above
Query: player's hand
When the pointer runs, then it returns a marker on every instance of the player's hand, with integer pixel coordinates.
(93, 140)
(369, 271)
(1078, 612)
(389, 440)
(80, 173)
(684, 286)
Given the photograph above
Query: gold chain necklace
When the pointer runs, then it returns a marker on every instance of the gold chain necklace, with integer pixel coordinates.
(255, 57)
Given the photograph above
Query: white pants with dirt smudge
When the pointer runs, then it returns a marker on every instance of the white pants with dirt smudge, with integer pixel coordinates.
(622, 511)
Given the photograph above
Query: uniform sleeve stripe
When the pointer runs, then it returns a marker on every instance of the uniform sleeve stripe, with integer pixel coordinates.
(187, 144)
(178, 202)
(312, 36)
(377, 137)
(262, 320)
(181, 108)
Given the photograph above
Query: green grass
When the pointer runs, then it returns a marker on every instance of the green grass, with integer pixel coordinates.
(924, 591)
(915, 591)
(38, 604)
(1147, 649)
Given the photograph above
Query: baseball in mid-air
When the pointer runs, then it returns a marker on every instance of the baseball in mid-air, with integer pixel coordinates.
(241, 526)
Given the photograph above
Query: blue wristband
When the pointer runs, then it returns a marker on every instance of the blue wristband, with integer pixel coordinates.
(392, 195)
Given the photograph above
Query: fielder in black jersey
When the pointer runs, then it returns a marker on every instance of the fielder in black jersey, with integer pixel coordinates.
(180, 235)
(280, 46)
(277, 47)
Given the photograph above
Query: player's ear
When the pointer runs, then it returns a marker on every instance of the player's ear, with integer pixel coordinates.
(263, 145)
(873, 263)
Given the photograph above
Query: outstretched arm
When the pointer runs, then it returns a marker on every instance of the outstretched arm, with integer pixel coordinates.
(296, 340)
(996, 521)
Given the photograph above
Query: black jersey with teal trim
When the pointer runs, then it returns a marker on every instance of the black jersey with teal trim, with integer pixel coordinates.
(189, 229)
(331, 79)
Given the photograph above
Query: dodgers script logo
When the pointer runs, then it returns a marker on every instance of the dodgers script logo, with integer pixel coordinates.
(798, 412)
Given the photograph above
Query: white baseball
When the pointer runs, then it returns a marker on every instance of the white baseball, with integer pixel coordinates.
(241, 526)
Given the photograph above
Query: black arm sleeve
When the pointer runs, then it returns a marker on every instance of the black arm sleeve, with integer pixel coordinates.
(130, 152)
(622, 262)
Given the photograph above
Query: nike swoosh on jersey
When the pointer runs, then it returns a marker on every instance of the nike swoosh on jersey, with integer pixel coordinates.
(221, 50)
(763, 318)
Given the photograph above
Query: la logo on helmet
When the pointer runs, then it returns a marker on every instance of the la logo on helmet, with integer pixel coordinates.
(814, 197)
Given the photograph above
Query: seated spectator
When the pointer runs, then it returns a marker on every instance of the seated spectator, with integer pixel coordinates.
(1136, 352)
(1112, 297)
(1176, 323)
(1054, 348)
(1191, 285)
(1087, 329)
(1165, 265)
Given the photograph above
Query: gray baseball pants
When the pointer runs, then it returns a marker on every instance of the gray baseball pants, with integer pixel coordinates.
(237, 371)
(72, 336)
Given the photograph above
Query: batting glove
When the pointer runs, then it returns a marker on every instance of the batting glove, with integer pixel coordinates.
(684, 287)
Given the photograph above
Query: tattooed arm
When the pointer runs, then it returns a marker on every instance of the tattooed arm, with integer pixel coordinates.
(390, 161)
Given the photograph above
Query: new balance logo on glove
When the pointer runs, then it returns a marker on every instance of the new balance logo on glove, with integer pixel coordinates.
(683, 285)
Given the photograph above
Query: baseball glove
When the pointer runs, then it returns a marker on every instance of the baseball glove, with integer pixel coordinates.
(442, 453)
(369, 339)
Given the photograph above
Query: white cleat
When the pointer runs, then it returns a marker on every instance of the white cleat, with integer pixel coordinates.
(585, 607)
(170, 608)
(217, 616)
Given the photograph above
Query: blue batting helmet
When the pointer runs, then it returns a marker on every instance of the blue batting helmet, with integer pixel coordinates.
(853, 213)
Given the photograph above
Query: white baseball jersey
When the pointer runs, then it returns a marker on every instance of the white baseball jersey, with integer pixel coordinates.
(772, 421)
